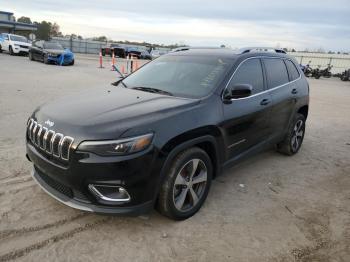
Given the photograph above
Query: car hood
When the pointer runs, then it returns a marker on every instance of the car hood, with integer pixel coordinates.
(55, 51)
(105, 113)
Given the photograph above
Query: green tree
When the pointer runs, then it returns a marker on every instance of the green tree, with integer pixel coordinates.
(44, 29)
(24, 19)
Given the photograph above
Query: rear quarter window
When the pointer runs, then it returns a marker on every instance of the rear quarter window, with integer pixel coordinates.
(292, 70)
(276, 72)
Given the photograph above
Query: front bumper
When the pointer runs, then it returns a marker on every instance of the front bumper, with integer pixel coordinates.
(61, 59)
(20, 50)
(75, 203)
(69, 183)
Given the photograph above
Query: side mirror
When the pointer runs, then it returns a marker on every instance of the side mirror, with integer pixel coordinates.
(240, 91)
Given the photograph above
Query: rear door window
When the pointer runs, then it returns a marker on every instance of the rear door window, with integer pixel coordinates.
(292, 70)
(249, 72)
(276, 72)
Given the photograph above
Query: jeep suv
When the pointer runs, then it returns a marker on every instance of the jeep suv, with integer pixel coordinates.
(159, 136)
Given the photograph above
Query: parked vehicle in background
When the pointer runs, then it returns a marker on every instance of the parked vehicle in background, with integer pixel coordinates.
(157, 53)
(145, 55)
(307, 70)
(159, 137)
(317, 73)
(14, 44)
(345, 76)
(133, 51)
(1, 40)
(50, 52)
(117, 49)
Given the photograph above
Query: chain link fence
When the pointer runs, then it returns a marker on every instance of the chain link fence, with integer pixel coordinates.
(91, 47)
(340, 62)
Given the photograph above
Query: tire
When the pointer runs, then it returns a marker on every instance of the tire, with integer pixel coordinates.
(294, 137)
(0, 49)
(30, 56)
(317, 76)
(46, 61)
(71, 63)
(178, 187)
(11, 51)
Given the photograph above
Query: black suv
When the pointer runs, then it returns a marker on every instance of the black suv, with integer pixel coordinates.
(159, 136)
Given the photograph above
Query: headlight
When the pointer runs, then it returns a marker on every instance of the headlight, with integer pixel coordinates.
(117, 147)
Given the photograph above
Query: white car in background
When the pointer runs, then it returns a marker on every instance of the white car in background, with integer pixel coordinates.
(14, 44)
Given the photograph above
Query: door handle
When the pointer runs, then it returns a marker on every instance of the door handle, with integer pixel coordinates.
(265, 102)
(294, 91)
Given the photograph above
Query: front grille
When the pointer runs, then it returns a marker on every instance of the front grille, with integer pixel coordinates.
(24, 46)
(56, 185)
(47, 140)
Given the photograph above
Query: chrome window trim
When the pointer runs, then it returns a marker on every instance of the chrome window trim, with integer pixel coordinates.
(263, 92)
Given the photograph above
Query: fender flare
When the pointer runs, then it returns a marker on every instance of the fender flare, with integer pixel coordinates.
(181, 147)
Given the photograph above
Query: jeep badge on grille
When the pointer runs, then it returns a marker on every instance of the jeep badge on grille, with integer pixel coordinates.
(49, 123)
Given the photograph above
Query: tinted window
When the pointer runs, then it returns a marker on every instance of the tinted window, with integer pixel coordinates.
(250, 72)
(276, 72)
(293, 72)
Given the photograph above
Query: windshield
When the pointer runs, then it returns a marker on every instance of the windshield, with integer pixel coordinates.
(52, 45)
(18, 38)
(183, 76)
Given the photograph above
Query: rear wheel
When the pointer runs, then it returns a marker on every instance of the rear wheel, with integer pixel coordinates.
(294, 138)
(0, 49)
(71, 63)
(186, 184)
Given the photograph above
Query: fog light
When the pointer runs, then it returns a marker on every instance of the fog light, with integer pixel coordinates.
(110, 193)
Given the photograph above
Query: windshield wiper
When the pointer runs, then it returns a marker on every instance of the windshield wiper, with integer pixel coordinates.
(152, 90)
(120, 81)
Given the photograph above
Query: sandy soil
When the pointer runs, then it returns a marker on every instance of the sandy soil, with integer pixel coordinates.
(290, 209)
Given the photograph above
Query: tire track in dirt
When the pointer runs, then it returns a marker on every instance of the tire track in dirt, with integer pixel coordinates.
(56, 238)
(24, 230)
(14, 180)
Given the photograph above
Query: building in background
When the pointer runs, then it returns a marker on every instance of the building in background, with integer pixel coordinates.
(8, 24)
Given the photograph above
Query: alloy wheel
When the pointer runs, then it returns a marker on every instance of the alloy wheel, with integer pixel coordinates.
(297, 137)
(190, 184)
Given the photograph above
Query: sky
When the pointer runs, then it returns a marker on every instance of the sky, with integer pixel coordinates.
(299, 24)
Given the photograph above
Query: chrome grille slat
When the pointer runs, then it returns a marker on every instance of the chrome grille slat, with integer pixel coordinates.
(49, 141)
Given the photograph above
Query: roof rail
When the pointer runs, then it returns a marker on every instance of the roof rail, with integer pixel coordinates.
(261, 49)
(184, 48)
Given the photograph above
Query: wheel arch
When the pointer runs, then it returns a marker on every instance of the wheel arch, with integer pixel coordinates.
(304, 110)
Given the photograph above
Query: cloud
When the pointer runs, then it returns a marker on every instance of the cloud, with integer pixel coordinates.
(299, 24)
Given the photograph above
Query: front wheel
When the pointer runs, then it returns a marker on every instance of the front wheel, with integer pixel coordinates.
(46, 59)
(294, 137)
(186, 184)
(30, 56)
(71, 63)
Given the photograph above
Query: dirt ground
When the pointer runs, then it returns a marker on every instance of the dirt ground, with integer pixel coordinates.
(290, 208)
